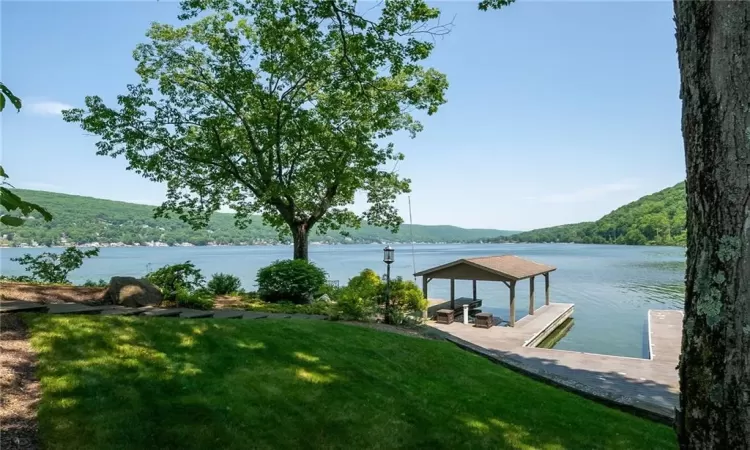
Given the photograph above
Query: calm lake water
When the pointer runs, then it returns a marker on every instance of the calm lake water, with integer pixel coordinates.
(613, 287)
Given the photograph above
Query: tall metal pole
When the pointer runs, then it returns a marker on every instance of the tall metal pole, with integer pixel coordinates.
(411, 230)
(388, 293)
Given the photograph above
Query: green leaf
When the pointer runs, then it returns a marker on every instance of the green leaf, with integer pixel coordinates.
(45, 214)
(11, 221)
(484, 5)
(9, 200)
(5, 92)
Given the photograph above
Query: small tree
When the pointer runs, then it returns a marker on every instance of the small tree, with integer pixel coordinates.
(275, 107)
(55, 267)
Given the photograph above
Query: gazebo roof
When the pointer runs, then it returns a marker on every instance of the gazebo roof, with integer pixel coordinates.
(490, 268)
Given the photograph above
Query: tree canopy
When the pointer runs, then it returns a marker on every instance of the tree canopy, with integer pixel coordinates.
(282, 108)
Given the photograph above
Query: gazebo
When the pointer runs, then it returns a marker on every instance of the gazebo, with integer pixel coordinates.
(508, 269)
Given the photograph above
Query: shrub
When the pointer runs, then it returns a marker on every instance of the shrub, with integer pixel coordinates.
(92, 283)
(223, 284)
(365, 294)
(173, 278)
(406, 300)
(54, 267)
(351, 306)
(297, 281)
(366, 285)
(358, 300)
(200, 299)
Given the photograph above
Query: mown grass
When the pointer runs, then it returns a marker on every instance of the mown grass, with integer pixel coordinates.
(137, 383)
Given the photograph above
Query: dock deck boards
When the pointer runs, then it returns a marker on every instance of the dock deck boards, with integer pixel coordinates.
(665, 335)
(650, 385)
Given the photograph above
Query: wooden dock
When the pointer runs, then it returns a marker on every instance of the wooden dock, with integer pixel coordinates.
(648, 387)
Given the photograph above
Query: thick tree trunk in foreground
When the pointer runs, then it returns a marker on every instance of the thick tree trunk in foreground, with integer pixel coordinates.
(713, 42)
(300, 238)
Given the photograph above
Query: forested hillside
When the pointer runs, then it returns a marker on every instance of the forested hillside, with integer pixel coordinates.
(82, 220)
(656, 219)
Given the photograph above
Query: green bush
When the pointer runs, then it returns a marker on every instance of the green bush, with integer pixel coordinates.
(51, 267)
(407, 300)
(365, 296)
(224, 284)
(173, 278)
(92, 283)
(366, 285)
(351, 306)
(297, 281)
(358, 300)
(199, 299)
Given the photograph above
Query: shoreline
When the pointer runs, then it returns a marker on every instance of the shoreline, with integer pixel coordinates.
(267, 244)
(188, 245)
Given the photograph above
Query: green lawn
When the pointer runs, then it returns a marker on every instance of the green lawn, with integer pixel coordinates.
(136, 383)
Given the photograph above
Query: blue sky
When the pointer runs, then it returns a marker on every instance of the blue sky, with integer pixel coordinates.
(557, 112)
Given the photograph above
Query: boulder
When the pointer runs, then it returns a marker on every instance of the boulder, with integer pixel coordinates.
(132, 292)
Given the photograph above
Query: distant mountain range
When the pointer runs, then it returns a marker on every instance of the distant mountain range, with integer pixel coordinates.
(656, 219)
(85, 220)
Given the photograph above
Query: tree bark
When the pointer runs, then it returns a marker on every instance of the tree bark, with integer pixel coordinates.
(713, 43)
(300, 239)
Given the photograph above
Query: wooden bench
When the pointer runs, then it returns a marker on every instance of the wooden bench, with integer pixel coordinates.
(445, 316)
(484, 320)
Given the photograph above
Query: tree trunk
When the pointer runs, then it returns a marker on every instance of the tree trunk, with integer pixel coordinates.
(300, 236)
(713, 43)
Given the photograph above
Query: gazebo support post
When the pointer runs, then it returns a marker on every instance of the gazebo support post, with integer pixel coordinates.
(425, 280)
(513, 303)
(453, 294)
(546, 288)
(474, 289)
(531, 296)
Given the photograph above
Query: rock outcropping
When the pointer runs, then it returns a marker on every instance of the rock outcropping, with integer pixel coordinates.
(132, 292)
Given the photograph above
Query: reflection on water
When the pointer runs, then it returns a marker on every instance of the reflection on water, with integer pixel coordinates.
(662, 265)
(559, 333)
(671, 295)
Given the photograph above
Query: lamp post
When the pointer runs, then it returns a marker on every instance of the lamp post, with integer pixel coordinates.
(388, 257)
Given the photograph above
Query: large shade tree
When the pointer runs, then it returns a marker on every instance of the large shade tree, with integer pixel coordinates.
(282, 108)
(713, 46)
